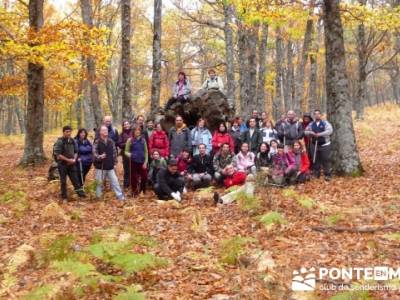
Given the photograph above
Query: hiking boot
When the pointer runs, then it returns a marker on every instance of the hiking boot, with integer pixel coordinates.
(217, 198)
(81, 194)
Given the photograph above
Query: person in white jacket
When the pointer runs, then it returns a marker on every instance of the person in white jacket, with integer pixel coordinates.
(213, 82)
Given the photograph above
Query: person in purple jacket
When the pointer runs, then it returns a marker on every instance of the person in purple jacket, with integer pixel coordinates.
(85, 154)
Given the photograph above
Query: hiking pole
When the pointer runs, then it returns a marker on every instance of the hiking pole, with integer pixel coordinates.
(80, 167)
(315, 151)
(102, 179)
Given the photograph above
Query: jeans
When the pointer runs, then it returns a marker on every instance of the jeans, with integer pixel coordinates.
(71, 172)
(112, 177)
(200, 181)
(322, 160)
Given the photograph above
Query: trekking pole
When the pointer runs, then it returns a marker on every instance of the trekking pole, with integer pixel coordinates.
(80, 167)
(102, 179)
(315, 152)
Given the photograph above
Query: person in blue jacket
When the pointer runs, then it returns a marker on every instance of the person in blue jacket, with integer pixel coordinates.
(85, 154)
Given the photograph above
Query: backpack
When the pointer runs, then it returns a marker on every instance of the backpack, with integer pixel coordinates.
(63, 145)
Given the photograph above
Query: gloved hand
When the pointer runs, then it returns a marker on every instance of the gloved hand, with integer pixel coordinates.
(176, 196)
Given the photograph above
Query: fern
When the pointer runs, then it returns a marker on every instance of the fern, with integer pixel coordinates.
(43, 292)
(12, 196)
(231, 249)
(248, 203)
(135, 262)
(74, 267)
(60, 248)
(271, 218)
(306, 202)
(392, 236)
(352, 295)
(333, 219)
(131, 293)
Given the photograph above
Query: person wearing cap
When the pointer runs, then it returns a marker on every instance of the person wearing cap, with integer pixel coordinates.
(170, 185)
(213, 82)
(181, 91)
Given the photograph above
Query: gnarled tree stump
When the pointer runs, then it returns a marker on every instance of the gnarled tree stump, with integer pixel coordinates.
(211, 105)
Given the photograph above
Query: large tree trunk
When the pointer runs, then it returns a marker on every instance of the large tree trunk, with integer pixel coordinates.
(126, 59)
(288, 87)
(156, 76)
(346, 160)
(33, 150)
(262, 68)
(362, 66)
(247, 47)
(87, 17)
(229, 53)
(313, 89)
(300, 72)
(278, 97)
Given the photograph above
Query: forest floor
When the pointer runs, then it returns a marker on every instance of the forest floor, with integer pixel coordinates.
(97, 250)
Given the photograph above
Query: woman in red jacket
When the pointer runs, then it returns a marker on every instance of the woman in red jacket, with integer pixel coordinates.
(302, 161)
(220, 137)
(159, 141)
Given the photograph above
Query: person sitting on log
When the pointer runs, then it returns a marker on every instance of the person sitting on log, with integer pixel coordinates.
(201, 169)
(213, 82)
(181, 92)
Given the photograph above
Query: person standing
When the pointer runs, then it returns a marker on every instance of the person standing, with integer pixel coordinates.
(253, 136)
(158, 141)
(179, 137)
(236, 134)
(213, 82)
(112, 131)
(123, 138)
(169, 183)
(268, 132)
(290, 130)
(201, 169)
(201, 135)
(65, 152)
(136, 150)
(220, 137)
(105, 159)
(320, 132)
(85, 154)
(149, 128)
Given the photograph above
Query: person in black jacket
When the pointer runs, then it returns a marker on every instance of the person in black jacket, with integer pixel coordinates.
(201, 168)
(253, 136)
(65, 152)
(169, 184)
(105, 159)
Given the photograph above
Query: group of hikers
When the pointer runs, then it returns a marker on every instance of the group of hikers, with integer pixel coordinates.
(288, 152)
